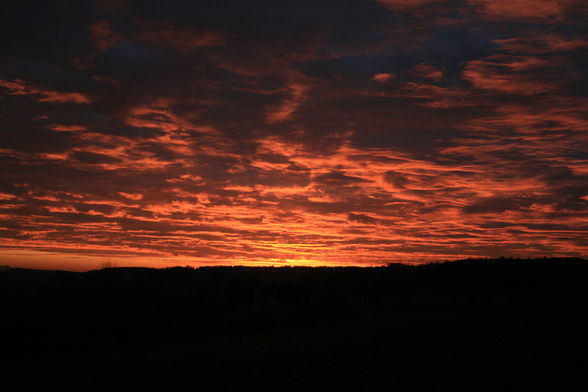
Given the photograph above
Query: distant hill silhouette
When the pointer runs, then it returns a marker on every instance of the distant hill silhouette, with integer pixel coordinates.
(427, 327)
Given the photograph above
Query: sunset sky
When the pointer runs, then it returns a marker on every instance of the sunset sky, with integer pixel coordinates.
(292, 132)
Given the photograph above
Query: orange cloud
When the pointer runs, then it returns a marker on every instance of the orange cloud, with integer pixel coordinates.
(297, 95)
(68, 128)
(383, 77)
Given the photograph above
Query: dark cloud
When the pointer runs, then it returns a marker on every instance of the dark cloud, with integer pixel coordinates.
(496, 204)
(338, 178)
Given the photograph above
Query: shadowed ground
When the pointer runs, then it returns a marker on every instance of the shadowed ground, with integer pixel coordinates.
(496, 324)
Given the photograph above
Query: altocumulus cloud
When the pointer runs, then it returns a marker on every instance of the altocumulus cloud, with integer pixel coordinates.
(342, 132)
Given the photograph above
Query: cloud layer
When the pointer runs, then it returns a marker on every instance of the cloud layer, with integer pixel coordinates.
(272, 132)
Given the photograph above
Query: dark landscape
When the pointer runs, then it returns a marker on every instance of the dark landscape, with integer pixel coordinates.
(500, 323)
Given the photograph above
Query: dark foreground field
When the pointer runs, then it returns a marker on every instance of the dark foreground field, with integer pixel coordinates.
(479, 324)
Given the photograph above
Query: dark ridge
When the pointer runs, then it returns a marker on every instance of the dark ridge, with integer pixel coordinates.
(423, 327)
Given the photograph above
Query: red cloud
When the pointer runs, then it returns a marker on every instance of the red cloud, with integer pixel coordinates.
(522, 8)
(19, 87)
(61, 97)
(383, 77)
(428, 71)
(102, 35)
(297, 95)
(406, 4)
(15, 86)
(183, 39)
(508, 74)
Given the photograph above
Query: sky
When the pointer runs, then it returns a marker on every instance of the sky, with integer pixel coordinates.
(291, 132)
